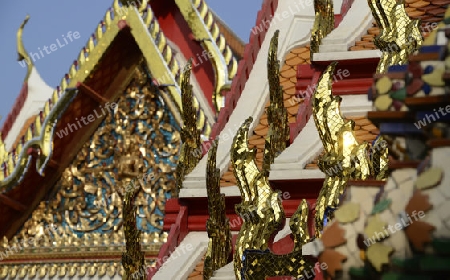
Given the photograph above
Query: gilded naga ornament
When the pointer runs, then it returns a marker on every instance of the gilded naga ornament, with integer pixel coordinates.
(133, 258)
(323, 23)
(261, 264)
(190, 136)
(127, 3)
(261, 207)
(278, 134)
(344, 158)
(218, 225)
(399, 37)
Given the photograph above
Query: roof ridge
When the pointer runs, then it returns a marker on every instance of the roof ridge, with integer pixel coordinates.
(265, 14)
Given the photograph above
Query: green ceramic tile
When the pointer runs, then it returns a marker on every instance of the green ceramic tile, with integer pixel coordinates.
(435, 263)
(441, 246)
(398, 94)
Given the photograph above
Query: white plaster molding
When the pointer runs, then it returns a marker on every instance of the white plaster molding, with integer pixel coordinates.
(225, 273)
(38, 93)
(441, 39)
(200, 191)
(347, 55)
(291, 163)
(354, 25)
(337, 6)
(294, 30)
(180, 267)
(355, 105)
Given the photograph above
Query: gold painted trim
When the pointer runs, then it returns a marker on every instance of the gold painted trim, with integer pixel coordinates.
(206, 31)
(42, 141)
(79, 252)
(89, 269)
(162, 63)
(143, 6)
(153, 56)
(344, 157)
(41, 136)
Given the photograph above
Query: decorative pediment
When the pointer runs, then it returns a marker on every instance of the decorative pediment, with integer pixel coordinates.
(136, 145)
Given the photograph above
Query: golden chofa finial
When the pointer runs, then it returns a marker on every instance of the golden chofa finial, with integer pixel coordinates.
(277, 115)
(190, 136)
(139, 4)
(399, 35)
(323, 24)
(117, 8)
(22, 53)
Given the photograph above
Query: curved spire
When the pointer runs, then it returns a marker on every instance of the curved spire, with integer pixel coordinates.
(323, 23)
(190, 136)
(277, 115)
(141, 8)
(143, 5)
(399, 36)
(22, 53)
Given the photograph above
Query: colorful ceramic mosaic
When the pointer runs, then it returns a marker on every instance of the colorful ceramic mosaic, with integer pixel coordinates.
(420, 78)
(390, 229)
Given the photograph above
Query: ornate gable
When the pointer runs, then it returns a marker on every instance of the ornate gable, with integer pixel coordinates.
(137, 144)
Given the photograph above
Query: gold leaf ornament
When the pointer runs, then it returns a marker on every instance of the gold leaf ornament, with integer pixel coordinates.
(260, 204)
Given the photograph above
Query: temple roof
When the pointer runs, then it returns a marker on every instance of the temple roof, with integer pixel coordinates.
(90, 82)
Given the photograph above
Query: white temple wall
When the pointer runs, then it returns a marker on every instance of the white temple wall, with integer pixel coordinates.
(38, 93)
(294, 21)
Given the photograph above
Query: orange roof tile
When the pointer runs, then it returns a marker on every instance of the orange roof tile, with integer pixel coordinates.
(288, 79)
(197, 274)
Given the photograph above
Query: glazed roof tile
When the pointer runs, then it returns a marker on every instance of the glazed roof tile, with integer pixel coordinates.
(288, 79)
(197, 274)
(427, 11)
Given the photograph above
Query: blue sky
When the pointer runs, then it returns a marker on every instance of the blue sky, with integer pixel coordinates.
(51, 19)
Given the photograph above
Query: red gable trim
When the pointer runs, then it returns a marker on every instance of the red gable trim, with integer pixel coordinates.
(346, 5)
(245, 66)
(17, 107)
